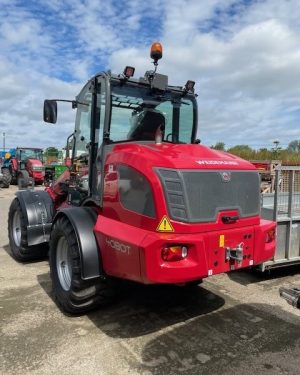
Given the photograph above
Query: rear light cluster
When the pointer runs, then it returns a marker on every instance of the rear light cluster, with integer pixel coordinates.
(270, 235)
(174, 253)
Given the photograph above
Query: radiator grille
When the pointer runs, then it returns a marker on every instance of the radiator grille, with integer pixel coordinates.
(198, 196)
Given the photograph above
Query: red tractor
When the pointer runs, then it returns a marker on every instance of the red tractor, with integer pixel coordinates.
(26, 166)
(142, 200)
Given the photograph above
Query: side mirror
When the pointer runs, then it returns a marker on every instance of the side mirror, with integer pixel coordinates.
(50, 111)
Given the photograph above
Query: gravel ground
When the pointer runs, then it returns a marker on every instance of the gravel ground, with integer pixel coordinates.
(233, 323)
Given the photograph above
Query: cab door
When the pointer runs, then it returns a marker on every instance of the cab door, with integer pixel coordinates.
(82, 134)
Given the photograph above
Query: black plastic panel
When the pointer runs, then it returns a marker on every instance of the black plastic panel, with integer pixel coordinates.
(39, 211)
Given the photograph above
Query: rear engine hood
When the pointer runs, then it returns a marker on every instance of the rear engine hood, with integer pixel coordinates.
(200, 184)
(180, 156)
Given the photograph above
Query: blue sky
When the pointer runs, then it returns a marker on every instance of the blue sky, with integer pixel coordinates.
(244, 56)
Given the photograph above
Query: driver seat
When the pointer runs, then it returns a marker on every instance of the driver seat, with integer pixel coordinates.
(146, 126)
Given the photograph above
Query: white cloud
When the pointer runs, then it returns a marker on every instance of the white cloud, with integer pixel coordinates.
(21, 106)
(244, 57)
(245, 83)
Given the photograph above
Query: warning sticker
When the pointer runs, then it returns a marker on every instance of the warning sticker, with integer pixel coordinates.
(165, 225)
(222, 240)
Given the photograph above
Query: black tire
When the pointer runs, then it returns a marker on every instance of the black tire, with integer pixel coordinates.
(73, 294)
(6, 179)
(23, 179)
(14, 180)
(193, 284)
(17, 233)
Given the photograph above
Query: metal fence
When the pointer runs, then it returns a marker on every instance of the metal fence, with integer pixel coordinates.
(287, 191)
(283, 206)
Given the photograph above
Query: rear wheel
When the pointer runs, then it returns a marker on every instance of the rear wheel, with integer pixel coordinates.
(13, 173)
(6, 178)
(17, 233)
(23, 179)
(194, 284)
(73, 294)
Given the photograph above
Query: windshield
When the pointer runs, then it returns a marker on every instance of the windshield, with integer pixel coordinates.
(138, 112)
(30, 154)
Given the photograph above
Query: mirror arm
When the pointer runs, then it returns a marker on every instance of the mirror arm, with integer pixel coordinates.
(74, 102)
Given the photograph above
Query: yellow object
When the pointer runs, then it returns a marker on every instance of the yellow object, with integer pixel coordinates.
(222, 240)
(165, 225)
(7, 155)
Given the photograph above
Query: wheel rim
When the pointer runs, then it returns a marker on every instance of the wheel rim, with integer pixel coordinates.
(63, 263)
(16, 228)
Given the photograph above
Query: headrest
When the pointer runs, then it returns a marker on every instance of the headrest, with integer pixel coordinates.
(146, 124)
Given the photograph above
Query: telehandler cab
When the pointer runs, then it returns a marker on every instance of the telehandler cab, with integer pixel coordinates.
(143, 200)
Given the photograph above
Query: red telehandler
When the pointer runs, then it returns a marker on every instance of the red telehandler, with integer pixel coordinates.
(142, 200)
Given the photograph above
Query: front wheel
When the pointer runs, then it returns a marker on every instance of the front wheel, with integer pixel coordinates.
(6, 179)
(23, 179)
(73, 294)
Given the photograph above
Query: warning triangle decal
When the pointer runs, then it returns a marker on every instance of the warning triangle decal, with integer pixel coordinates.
(165, 225)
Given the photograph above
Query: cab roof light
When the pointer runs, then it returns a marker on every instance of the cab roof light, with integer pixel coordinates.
(156, 52)
(189, 86)
(128, 71)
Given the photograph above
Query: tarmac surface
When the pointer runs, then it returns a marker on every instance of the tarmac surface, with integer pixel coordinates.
(232, 324)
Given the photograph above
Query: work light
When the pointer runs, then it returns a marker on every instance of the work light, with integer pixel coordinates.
(129, 71)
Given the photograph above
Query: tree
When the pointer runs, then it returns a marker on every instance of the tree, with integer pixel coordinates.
(294, 146)
(276, 149)
(52, 150)
(263, 154)
(219, 146)
(243, 151)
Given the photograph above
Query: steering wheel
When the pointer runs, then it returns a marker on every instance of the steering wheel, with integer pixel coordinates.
(170, 134)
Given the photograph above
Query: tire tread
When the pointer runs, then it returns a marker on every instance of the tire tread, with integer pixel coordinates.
(83, 295)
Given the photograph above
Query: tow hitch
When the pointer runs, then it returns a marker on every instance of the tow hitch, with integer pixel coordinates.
(291, 295)
(235, 253)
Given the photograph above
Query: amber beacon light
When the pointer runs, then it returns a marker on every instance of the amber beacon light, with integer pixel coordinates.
(156, 52)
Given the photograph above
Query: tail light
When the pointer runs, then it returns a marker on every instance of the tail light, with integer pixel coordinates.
(174, 253)
(270, 235)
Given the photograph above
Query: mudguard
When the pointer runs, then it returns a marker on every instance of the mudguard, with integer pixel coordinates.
(38, 209)
(83, 220)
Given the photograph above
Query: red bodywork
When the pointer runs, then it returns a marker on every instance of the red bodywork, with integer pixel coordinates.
(262, 166)
(38, 176)
(14, 163)
(130, 245)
